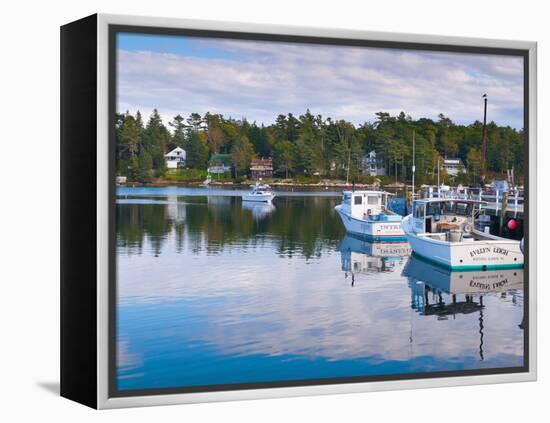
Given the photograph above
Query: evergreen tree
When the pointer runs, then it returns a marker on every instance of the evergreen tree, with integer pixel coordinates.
(178, 134)
(242, 153)
(197, 151)
(283, 157)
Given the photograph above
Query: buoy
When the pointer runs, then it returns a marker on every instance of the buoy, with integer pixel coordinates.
(512, 224)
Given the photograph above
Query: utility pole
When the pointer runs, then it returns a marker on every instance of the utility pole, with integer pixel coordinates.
(484, 142)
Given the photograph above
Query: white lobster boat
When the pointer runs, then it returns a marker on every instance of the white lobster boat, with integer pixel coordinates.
(260, 193)
(443, 231)
(365, 214)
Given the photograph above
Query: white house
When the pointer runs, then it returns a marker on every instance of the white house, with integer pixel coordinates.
(175, 158)
(372, 165)
(453, 166)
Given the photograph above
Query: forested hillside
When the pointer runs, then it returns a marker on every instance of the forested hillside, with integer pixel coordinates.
(314, 146)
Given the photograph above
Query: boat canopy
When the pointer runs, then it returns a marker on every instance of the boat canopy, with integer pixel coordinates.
(260, 186)
(367, 192)
(424, 208)
(449, 200)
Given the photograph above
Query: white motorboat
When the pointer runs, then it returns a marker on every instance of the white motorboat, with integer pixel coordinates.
(207, 181)
(442, 230)
(260, 193)
(365, 214)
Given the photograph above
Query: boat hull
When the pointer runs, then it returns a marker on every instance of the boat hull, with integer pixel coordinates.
(258, 198)
(500, 253)
(372, 230)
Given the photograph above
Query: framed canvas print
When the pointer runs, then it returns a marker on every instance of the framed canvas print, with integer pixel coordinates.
(254, 211)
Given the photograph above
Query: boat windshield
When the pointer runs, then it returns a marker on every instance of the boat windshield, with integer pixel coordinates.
(260, 187)
(449, 207)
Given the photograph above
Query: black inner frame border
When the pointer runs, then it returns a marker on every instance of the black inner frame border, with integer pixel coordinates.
(113, 30)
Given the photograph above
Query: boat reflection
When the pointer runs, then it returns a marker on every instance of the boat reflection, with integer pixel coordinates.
(446, 281)
(259, 210)
(441, 292)
(363, 257)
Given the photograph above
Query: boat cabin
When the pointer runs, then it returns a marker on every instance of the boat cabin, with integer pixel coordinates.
(435, 216)
(364, 204)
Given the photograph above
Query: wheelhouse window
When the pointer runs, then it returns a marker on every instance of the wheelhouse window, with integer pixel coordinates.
(418, 211)
(372, 201)
(433, 209)
(357, 200)
(462, 209)
(346, 198)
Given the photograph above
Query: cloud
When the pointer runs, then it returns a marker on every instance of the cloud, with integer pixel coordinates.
(259, 80)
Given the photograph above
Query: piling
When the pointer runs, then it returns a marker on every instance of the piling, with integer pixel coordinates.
(503, 212)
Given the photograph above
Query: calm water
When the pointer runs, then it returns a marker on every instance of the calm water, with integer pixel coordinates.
(214, 291)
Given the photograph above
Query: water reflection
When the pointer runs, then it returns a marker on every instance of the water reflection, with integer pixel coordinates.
(259, 210)
(209, 293)
(363, 257)
(298, 225)
(440, 292)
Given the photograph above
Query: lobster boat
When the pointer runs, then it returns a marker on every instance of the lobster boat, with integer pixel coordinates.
(444, 232)
(366, 214)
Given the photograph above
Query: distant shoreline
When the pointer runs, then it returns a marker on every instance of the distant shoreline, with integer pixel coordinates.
(246, 184)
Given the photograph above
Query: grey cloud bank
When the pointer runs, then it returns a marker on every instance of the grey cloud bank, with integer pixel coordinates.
(260, 80)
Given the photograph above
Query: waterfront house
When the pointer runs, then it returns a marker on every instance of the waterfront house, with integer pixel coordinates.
(261, 168)
(219, 164)
(175, 158)
(373, 164)
(453, 166)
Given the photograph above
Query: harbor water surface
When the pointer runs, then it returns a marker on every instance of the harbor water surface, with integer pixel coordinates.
(214, 291)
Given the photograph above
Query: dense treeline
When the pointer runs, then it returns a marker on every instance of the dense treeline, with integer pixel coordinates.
(312, 145)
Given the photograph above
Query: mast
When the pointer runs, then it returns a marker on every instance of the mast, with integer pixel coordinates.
(349, 160)
(413, 167)
(438, 186)
(484, 141)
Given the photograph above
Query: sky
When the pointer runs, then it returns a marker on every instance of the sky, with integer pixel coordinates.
(258, 80)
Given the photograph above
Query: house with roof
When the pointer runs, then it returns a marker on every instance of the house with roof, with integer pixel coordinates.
(175, 158)
(261, 168)
(373, 164)
(453, 166)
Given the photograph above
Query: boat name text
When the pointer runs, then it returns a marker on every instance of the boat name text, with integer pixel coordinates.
(485, 250)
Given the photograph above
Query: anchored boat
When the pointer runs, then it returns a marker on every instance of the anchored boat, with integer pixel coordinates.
(365, 214)
(260, 193)
(443, 231)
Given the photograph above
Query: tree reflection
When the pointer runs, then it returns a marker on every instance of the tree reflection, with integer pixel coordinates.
(295, 225)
